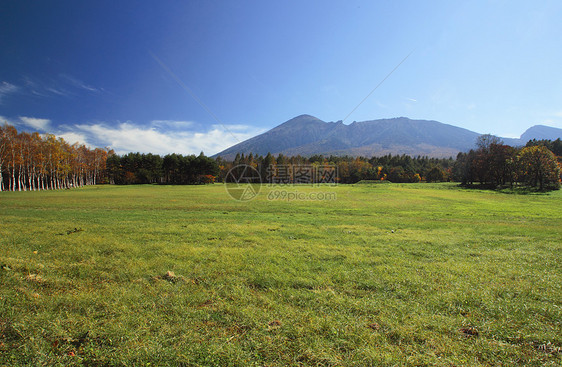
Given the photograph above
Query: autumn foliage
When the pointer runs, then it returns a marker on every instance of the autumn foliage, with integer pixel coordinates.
(495, 164)
(45, 162)
(393, 168)
(538, 167)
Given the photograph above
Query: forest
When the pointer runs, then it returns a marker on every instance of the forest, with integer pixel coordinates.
(491, 165)
(174, 169)
(494, 164)
(31, 161)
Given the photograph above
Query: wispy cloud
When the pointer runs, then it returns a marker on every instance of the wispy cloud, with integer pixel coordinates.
(173, 124)
(5, 89)
(36, 123)
(33, 87)
(58, 92)
(63, 85)
(77, 83)
(411, 99)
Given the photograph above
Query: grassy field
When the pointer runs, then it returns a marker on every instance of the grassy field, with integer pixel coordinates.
(411, 274)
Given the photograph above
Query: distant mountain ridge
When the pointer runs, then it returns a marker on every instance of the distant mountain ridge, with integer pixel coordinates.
(307, 135)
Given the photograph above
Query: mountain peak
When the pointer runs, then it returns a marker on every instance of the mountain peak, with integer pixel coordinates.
(306, 116)
(307, 135)
(540, 132)
(302, 119)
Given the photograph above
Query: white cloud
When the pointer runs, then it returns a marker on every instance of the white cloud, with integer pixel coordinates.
(157, 138)
(72, 137)
(127, 137)
(5, 89)
(38, 124)
(509, 135)
(5, 120)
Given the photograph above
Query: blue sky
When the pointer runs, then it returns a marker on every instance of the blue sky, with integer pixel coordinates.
(187, 76)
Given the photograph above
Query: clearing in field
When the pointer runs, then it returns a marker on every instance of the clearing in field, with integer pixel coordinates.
(412, 274)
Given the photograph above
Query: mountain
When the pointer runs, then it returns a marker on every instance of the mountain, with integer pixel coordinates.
(540, 132)
(307, 135)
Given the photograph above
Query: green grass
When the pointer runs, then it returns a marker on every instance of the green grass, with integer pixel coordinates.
(396, 274)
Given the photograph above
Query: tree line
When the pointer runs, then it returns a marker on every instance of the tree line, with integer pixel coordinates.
(494, 164)
(30, 161)
(393, 168)
(173, 169)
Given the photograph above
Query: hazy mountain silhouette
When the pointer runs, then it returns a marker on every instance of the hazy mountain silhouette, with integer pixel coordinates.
(307, 135)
